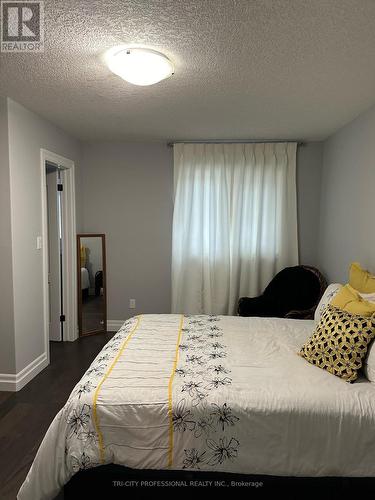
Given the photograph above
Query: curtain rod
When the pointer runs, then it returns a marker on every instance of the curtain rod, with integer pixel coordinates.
(234, 141)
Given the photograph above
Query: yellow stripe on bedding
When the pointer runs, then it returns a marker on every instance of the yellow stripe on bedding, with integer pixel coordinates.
(170, 385)
(96, 394)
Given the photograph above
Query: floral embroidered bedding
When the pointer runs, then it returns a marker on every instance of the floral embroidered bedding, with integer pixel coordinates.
(214, 393)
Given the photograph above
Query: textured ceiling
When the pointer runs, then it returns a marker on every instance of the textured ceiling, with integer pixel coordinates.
(244, 68)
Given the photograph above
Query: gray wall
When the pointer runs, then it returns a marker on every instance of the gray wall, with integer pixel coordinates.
(309, 174)
(7, 349)
(28, 133)
(348, 199)
(124, 190)
(128, 195)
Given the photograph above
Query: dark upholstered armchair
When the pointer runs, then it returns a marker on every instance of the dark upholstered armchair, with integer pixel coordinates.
(293, 293)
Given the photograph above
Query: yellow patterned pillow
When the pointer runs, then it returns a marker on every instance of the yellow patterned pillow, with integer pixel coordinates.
(339, 343)
(360, 279)
(349, 300)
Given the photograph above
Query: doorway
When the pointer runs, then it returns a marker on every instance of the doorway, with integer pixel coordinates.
(54, 189)
(58, 246)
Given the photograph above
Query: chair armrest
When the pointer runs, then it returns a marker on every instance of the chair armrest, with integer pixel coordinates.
(304, 314)
(252, 306)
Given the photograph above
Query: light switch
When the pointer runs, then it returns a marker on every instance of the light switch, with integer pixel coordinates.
(131, 303)
(39, 242)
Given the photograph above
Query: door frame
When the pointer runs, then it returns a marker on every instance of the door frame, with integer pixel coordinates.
(69, 263)
(54, 276)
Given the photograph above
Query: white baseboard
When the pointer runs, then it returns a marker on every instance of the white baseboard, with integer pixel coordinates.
(114, 324)
(15, 382)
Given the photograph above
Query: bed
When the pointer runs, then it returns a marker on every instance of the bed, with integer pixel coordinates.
(208, 393)
(85, 280)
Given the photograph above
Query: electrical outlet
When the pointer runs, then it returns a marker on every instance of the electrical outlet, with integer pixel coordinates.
(131, 303)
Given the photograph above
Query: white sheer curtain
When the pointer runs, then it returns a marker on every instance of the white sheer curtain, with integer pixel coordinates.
(234, 222)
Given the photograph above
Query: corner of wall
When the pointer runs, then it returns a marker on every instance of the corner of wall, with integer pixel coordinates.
(28, 133)
(347, 198)
(7, 351)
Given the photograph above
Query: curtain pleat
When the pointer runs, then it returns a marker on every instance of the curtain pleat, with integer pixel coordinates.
(234, 222)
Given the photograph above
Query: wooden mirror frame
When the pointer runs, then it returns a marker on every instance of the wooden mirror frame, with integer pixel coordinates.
(79, 291)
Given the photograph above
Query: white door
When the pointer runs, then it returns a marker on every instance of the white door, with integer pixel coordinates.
(54, 260)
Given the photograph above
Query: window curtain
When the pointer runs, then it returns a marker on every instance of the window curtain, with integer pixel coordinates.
(234, 222)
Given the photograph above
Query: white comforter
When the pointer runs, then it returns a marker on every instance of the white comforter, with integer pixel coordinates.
(209, 393)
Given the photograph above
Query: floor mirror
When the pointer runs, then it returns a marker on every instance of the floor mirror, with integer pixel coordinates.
(92, 289)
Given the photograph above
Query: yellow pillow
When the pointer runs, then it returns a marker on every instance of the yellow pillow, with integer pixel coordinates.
(347, 299)
(360, 279)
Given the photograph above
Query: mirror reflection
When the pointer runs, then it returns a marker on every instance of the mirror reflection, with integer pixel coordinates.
(91, 286)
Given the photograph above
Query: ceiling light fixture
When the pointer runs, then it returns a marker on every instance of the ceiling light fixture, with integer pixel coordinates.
(139, 66)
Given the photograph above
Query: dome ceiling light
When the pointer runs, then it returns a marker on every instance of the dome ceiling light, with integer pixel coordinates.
(139, 66)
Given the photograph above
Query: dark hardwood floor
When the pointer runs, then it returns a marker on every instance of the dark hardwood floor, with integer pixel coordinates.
(26, 415)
